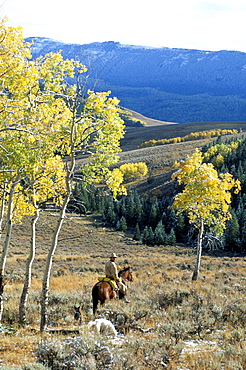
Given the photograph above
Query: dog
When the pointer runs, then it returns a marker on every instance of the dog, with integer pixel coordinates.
(102, 326)
(77, 315)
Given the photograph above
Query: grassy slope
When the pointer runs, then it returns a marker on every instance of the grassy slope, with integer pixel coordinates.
(83, 248)
(161, 158)
(84, 245)
(147, 120)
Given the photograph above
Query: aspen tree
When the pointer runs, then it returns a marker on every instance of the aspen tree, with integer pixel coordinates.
(206, 198)
(39, 113)
(96, 130)
(46, 184)
(32, 120)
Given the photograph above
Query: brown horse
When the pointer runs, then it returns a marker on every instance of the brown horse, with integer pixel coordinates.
(103, 291)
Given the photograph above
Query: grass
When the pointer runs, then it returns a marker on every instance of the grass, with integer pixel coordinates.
(160, 159)
(170, 320)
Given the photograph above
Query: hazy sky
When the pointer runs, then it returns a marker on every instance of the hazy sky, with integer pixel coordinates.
(191, 24)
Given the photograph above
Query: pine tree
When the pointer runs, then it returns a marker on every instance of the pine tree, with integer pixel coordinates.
(122, 206)
(130, 208)
(145, 235)
(151, 238)
(171, 221)
(138, 210)
(137, 233)
(122, 224)
(153, 217)
(232, 232)
(160, 236)
(111, 217)
(100, 201)
(243, 231)
(164, 218)
(180, 224)
(145, 211)
(172, 238)
(240, 173)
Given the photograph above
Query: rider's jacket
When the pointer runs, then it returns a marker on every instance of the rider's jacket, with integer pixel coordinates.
(111, 270)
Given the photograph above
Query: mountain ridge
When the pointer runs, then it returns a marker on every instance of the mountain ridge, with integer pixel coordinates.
(173, 85)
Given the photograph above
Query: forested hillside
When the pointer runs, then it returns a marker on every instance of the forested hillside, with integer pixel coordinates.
(174, 85)
(149, 218)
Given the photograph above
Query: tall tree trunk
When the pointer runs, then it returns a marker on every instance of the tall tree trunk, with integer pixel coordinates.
(2, 207)
(199, 251)
(7, 240)
(48, 265)
(28, 274)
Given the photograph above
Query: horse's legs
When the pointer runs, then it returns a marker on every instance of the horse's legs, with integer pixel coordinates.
(121, 295)
(95, 298)
(112, 294)
(102, 295)
(98, 295)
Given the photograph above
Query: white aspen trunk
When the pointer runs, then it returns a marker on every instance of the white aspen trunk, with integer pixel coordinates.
(28, 274)
(199, 251)
(7, 240)
(2, 208)
(49, 260)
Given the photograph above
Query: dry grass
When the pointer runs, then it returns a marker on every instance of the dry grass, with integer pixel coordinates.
(163, 297)
(160, 159)
(149, 121)
(167, 131)
(161, 294)
(19, 349)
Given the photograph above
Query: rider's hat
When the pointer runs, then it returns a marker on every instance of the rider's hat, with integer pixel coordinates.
(113, 255)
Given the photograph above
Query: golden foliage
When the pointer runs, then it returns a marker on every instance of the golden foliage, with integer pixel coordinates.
(192, 136)
(206, 195)
(36, 121)
(132, 171)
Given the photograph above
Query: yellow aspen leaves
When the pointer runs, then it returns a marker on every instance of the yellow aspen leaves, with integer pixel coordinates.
(114, 180)
(132, 171)
(39, 117)
(206, 195)
(192, 136)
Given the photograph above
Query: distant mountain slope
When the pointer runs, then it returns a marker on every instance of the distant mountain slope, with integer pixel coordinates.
(174, 85)
(149, 121)
(135, 136)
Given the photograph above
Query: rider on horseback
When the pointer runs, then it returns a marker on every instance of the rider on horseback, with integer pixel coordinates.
(111, 272)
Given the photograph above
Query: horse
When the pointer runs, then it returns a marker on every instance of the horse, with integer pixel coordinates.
(103, 291)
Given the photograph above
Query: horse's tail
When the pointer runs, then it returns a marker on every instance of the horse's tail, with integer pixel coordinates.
(95, 299)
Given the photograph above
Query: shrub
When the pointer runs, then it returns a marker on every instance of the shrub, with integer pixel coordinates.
(133, 171)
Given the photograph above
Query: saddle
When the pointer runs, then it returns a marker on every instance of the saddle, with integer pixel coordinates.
(110, 281)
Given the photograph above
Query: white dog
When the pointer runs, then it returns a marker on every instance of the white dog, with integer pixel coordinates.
(102, 326)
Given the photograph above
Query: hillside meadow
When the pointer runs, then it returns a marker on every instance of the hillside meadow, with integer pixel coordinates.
(157, 130)
(160, 159)
(171, 322)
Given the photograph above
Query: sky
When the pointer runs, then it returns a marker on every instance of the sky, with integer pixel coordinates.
(190, 24)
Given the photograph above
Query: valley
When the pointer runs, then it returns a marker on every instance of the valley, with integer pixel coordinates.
(168, 314)
(171, 321)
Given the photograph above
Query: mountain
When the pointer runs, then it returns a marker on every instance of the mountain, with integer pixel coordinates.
(174, 85)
